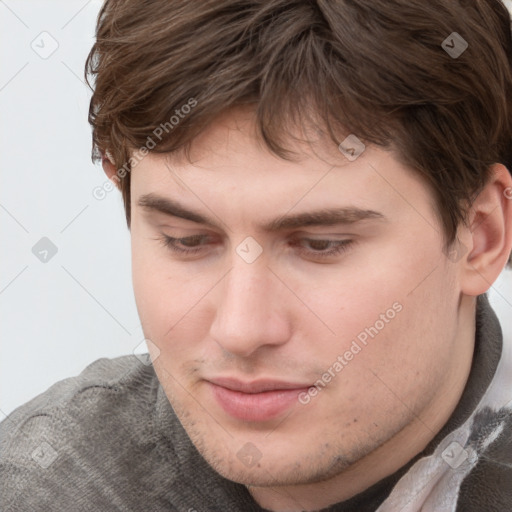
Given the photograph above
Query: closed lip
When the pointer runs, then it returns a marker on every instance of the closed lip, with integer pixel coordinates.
(256, 386)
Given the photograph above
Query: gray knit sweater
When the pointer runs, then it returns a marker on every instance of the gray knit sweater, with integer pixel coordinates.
(108, 440)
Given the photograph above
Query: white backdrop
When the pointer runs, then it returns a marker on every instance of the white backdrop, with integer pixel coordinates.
(66, 294)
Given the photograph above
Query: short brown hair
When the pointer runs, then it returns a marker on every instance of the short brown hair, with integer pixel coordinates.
(375, 68)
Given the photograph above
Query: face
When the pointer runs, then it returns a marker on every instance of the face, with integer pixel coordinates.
(291, 343)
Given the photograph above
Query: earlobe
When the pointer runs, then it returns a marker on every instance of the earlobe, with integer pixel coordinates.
(109, 167)
(489, 234)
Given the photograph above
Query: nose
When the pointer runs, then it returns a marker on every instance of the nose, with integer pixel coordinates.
(251, 310)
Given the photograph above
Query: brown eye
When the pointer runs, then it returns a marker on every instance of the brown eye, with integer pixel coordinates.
(191, 241)
(185, 245)
(319, 245)
(320, 248)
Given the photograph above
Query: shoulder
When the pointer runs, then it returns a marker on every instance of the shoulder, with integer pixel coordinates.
(65, 438)
(96, 385)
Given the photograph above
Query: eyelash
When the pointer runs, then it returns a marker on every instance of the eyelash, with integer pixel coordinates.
(340, 246)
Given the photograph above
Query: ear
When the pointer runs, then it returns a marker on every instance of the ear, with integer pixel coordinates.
(110, 169)
(489, 236)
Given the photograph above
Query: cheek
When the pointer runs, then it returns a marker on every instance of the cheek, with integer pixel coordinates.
(156, 293)
(411, 353)
(396, 317)
(168, 301)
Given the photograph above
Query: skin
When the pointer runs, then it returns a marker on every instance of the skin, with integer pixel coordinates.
(290, 314)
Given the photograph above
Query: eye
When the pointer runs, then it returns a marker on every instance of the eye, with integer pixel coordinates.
(309, 247)
(186, 245)
(320, 248)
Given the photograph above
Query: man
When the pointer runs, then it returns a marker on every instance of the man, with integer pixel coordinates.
(318, 199)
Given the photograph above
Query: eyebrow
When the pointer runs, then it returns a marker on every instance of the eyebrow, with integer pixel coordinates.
(323, 217)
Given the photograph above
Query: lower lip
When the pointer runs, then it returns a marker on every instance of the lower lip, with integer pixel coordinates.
(255, 406)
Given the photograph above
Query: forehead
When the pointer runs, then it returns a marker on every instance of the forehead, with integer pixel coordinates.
(228, 160)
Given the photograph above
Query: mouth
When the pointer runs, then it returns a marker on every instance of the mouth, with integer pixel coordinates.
(255, 401)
